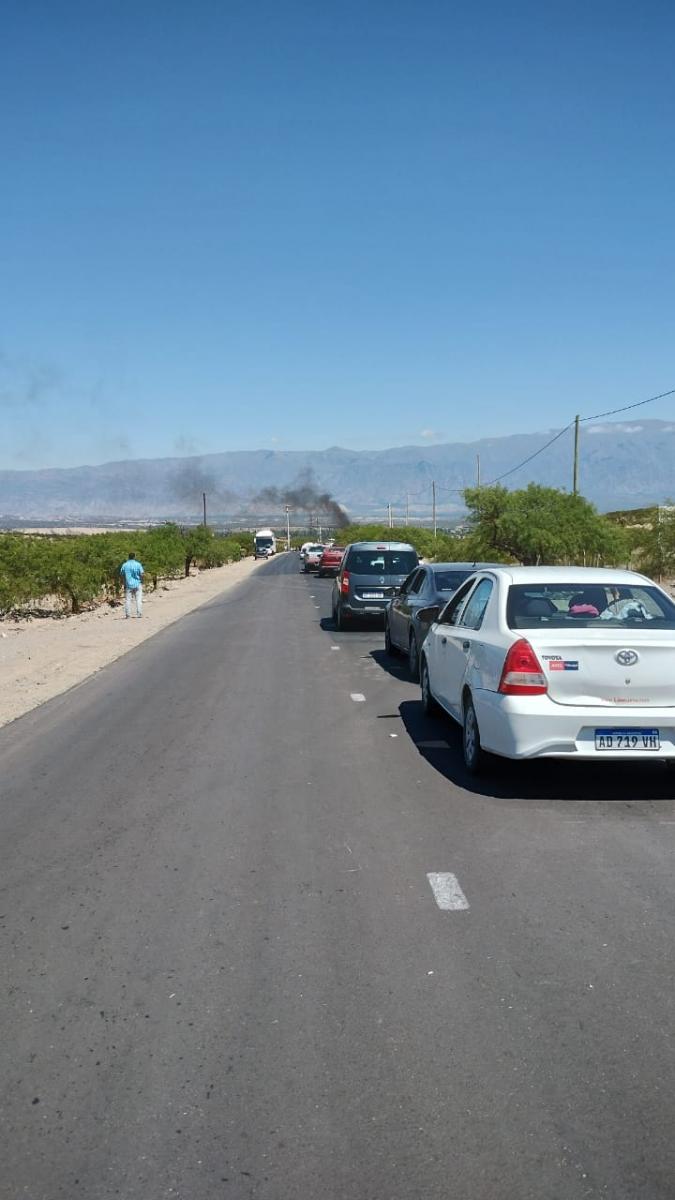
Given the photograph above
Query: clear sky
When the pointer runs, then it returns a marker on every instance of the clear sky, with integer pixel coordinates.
(229, 225)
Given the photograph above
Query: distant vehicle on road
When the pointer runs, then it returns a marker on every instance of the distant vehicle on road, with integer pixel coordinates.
(370, 574)
(329, 563)
(431, 584)
(304, 546)
(554, 662)
(312, 556)
(265, 543)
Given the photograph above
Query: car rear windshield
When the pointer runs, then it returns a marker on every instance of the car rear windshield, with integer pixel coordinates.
(600, 605)
(381, 562)
(449, 581)
(315, 550)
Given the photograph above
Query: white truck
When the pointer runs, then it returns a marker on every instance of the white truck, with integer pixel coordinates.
(265, 543)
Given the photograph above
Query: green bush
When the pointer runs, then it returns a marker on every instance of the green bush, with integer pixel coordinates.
(84, 569)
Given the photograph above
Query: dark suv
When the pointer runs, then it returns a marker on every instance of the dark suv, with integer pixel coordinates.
(370, 574)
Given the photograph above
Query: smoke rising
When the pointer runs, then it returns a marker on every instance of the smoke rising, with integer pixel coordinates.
(303, 494)
(190, 480)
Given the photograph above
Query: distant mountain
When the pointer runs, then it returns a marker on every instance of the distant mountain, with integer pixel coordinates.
(622, 465)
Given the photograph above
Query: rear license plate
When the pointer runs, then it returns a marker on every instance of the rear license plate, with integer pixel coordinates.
(373, 595)
(627, 739)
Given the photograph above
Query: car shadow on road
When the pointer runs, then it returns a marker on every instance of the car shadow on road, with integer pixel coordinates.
(438, 741)
(391, 664)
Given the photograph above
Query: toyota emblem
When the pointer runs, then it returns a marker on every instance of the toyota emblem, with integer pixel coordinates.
(626, 657)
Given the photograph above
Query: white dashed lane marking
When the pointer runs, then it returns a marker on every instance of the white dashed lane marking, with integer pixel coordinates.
(447, 892)
(358, 697)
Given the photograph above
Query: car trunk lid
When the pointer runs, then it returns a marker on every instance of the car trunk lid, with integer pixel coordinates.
(607, 668)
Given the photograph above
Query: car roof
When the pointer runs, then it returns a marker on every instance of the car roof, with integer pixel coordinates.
(580, 575)
(461, 566)
(380, 546)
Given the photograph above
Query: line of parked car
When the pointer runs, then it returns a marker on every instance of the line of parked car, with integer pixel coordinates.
(531, 662)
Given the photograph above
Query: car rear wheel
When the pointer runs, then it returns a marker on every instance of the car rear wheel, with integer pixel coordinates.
(338, 619)
(475, 759)
(413, 657)
(430, 706)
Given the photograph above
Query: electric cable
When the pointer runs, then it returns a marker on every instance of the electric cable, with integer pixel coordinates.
(626, 408)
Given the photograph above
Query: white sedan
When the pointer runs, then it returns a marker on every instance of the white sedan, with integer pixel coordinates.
(555, 662)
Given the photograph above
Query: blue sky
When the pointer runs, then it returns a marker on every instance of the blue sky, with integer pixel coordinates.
(233, 225)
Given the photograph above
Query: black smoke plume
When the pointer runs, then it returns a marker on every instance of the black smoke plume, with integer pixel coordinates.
(191, 479)
(303, 494)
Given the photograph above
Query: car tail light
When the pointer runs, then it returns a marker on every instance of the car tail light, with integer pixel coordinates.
(522, 674)
(344, 584)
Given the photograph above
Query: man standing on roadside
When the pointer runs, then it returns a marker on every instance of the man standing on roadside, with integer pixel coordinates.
(132, 573)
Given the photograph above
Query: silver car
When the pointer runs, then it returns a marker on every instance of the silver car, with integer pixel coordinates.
(432, 584)
(370, 574)
(312, 556)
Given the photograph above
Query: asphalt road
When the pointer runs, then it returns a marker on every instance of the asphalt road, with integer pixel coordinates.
(225, 972)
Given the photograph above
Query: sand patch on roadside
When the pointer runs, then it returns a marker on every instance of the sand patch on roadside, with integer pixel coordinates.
(41, 657)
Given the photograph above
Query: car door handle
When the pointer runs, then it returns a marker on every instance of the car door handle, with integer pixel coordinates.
(466, 646)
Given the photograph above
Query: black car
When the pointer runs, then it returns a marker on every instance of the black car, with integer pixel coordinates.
(370, 575)
(429, 585)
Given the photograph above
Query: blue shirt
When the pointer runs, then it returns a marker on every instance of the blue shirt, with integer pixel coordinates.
(132, 573)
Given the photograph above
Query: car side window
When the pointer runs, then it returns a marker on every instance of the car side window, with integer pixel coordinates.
(408, 583)
(417, 583)
(474, 611)
(453, 608)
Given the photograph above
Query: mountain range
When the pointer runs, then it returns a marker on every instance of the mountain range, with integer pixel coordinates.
(622, 465)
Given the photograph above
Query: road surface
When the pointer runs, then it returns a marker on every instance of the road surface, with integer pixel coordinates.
(226, 972)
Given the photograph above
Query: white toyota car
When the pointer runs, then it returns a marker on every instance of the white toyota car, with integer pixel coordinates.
(555, 662)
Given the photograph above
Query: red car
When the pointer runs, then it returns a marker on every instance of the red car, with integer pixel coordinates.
(329, 563)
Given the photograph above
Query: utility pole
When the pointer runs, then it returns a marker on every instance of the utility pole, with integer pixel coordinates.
(389, 515)
(433, 503)
(478, 470)
(575, 477)
(288, 526)
(204, 503)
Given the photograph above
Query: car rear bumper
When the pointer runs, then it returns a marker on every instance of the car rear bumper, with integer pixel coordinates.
(535, 727)
(365, 608)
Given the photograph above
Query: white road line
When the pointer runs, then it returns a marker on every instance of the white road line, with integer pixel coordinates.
(357, 697)
(432, 745)
(335, 647)
(449, 895)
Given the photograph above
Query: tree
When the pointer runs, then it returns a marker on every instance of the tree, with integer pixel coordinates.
(655, 543)
(540, 525)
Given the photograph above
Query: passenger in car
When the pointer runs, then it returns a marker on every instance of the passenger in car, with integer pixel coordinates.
(585, 604)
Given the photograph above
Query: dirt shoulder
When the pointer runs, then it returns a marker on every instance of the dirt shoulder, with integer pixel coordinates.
(42, 657)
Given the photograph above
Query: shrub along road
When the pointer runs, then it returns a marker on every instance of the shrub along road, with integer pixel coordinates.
(227, 973)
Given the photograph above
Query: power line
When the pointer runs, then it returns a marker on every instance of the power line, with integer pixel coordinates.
(530, 457)
(505, 474)
(626, 408)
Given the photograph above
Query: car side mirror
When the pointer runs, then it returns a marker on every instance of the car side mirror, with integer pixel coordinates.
(429, 614)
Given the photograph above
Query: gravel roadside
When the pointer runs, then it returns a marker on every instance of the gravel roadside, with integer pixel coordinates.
(42, 657)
